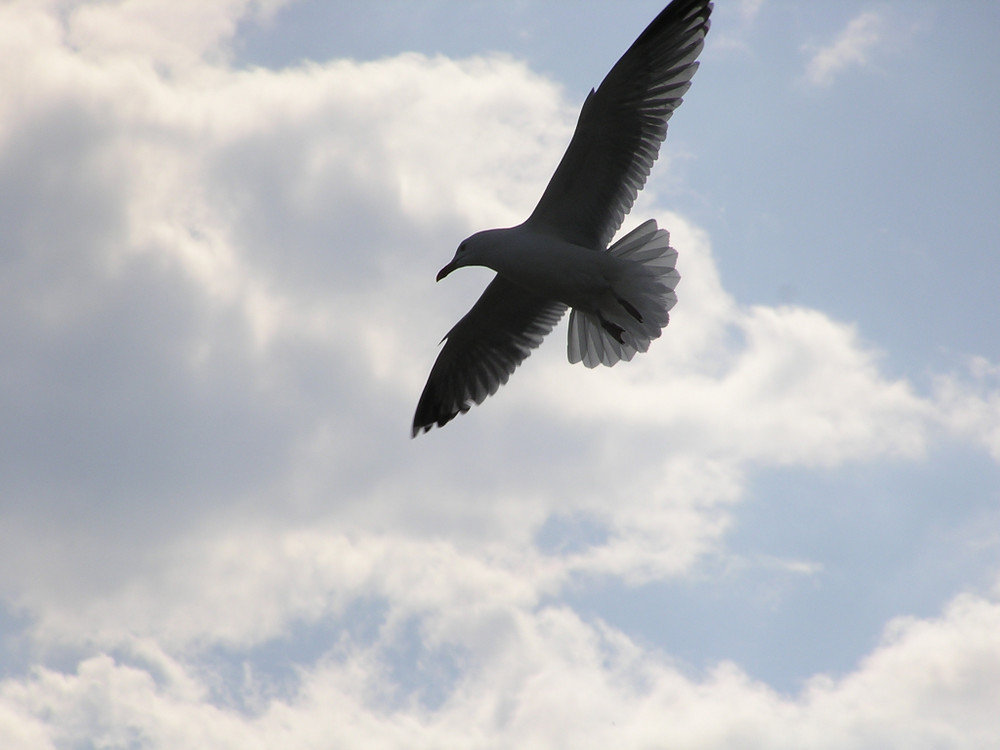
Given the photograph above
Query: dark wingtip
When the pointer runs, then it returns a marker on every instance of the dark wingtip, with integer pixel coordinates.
(422, 422)
(430, 412)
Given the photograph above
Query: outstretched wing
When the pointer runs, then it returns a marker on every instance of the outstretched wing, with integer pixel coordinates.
(483, 349)
(621, 127)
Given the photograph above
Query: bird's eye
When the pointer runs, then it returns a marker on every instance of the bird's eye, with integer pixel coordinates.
(461, 248)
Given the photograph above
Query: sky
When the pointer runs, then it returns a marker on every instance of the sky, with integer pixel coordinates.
(220, 222)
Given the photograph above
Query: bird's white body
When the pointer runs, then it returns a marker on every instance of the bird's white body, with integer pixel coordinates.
(547, 265)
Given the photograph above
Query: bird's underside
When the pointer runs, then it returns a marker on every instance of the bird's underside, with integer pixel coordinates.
(617, 139)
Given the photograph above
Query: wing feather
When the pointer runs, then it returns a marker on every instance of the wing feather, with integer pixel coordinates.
(483, 349)
(621, 127)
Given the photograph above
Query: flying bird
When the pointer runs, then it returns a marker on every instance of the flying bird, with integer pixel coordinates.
(620, 296)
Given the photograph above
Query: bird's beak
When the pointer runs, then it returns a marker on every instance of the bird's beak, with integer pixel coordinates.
(446, 270)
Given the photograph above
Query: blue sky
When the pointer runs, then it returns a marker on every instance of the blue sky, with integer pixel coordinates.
(780, 527)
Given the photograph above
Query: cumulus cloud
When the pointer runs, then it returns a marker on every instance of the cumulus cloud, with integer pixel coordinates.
(214, 530)
(970, 403)
(526, 676)
(177, 35)
(850, 49)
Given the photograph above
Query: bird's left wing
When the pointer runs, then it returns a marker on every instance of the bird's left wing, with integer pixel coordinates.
(621, 127)
(483, 349)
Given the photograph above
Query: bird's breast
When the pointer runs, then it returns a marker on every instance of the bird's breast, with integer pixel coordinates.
(556, 269)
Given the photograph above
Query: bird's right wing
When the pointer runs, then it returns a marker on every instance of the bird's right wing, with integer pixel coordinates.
(621, 127)
(483, 349)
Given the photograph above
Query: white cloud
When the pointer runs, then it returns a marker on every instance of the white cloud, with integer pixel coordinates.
(926, 685)
(220, 292)
(970, 405)
(850, 48)
(533, 677)
(177, 35)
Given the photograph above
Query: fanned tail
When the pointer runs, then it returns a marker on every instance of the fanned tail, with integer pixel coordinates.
(638, 307)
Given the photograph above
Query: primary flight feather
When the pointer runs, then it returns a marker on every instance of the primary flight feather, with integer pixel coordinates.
(620, 296)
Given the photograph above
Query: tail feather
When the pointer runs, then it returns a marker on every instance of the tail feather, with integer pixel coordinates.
(639, 303)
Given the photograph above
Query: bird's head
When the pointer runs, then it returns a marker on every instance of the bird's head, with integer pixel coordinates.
(472, 251)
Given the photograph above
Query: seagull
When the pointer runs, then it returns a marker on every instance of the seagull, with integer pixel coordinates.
(620, 296)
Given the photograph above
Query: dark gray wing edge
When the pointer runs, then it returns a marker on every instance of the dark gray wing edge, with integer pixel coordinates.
(482, 350)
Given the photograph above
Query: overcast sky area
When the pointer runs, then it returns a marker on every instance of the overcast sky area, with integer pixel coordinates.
(220, 222)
